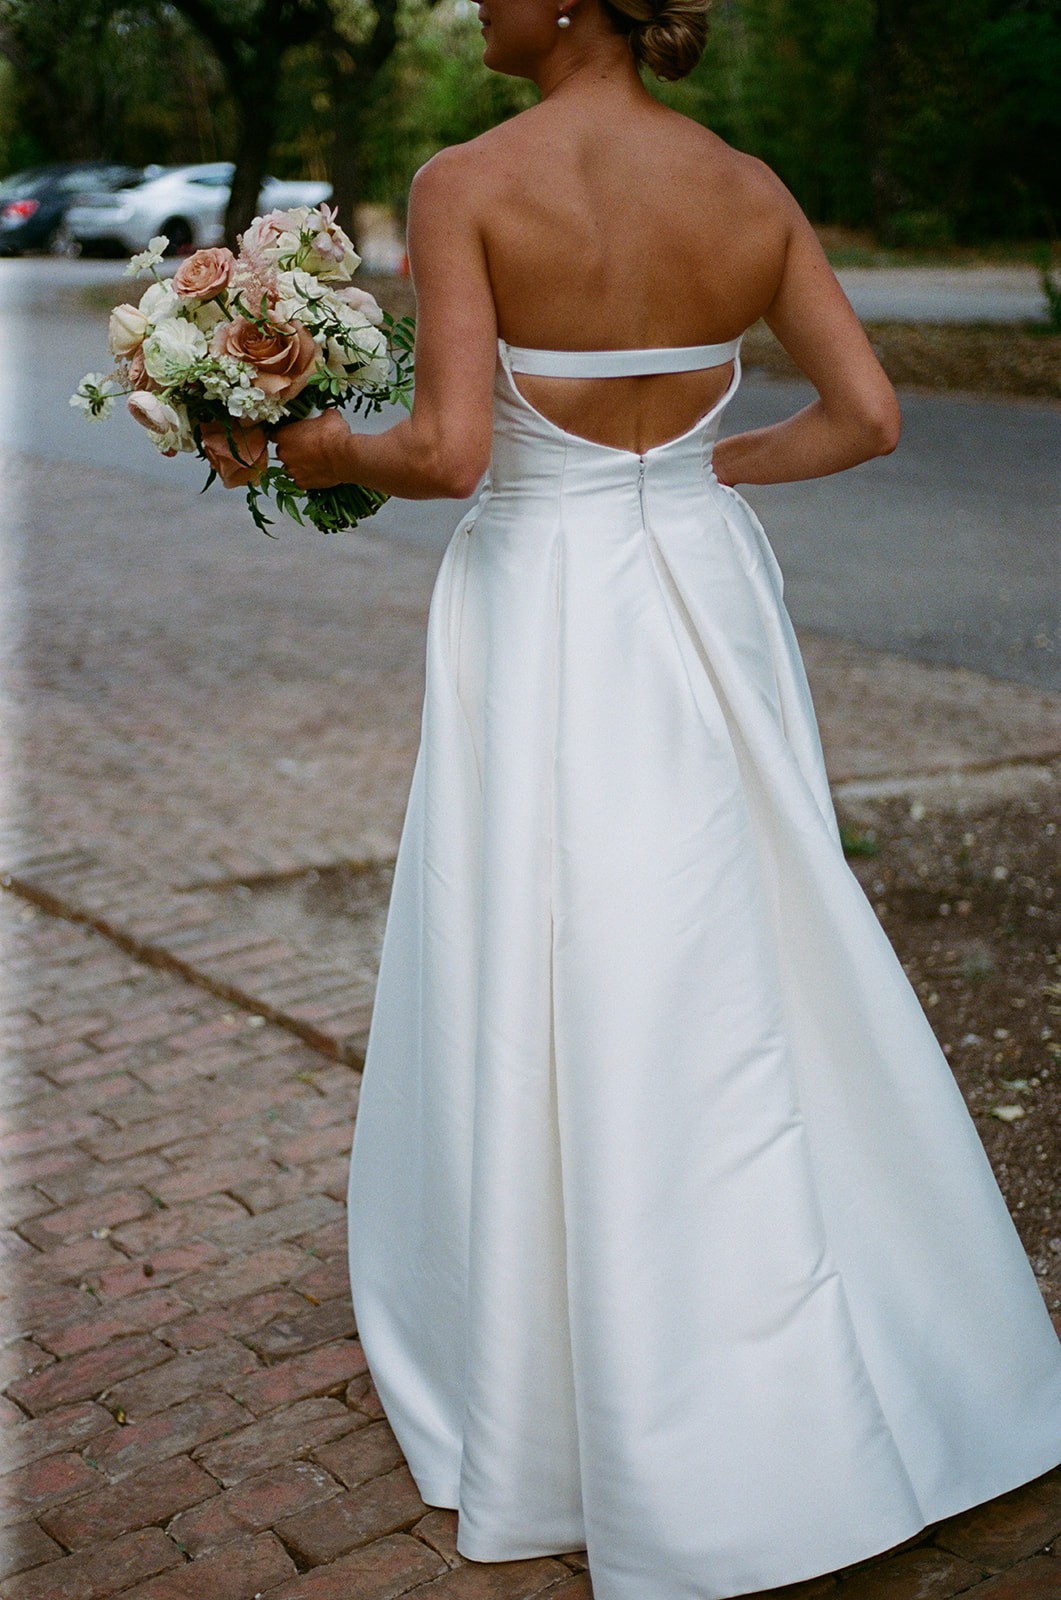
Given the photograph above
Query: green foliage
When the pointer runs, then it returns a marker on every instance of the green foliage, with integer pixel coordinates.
(967, 118)
(435, 92)
(935, 120)
(330, 510)
(857, 843)
(1050, 281)
(784, 80)
(108, 80)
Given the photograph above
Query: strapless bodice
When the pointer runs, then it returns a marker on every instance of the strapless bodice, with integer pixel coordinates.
(534, 456)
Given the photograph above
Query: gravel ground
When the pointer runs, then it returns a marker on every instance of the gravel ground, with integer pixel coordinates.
(969, 898)
(1015, 361)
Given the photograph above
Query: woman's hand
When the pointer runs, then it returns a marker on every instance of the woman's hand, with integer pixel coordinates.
(314, 451)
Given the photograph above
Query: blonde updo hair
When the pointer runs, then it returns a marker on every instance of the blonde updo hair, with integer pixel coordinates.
(667, 35)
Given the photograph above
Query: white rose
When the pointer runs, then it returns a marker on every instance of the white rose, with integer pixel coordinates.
(171, 348)
(276, 234)
(361, 300)
(125, 332)
(295, 290)
(363, 349)
(205, 316)
(158, 302)
(168, 425)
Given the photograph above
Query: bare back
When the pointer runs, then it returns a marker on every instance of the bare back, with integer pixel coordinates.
(599, 220)
(658, 235)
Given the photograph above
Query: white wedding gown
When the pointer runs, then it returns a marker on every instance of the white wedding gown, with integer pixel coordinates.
(671, 1236)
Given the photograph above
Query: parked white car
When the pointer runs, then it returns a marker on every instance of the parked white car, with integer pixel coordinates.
(187, 204)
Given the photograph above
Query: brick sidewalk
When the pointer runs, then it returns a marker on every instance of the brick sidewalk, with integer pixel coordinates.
(186, 1408)
(197, 721)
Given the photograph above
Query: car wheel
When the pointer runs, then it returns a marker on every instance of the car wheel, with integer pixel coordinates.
(180, 236)
(61, 242)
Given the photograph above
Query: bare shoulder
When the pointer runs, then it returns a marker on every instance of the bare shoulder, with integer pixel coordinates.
(444, 178)
(457, 173)
(749, 182)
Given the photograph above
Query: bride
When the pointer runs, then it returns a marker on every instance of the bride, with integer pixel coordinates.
(670, 1234)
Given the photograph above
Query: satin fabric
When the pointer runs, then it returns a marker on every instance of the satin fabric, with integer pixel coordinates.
(671, 1236)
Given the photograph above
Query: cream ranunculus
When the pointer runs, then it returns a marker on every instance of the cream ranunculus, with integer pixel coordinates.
(126, 330)
(207, 315)
(295, 290)
(362, 355)
(171, 348)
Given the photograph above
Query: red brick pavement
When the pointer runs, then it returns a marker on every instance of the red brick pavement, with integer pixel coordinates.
(184, 1406)
(197, 712)
(186, 1409)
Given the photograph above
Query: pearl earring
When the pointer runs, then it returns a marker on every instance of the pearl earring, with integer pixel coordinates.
(563, 22)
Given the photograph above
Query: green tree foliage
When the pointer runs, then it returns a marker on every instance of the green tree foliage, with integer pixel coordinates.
(931, 119)
(784, 79)
(964, 118)
(436, 92)
(89, 80)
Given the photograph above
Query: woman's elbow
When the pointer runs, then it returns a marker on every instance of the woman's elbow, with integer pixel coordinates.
(455, 466)
(464, 476)
(888, 427)
(874, 428)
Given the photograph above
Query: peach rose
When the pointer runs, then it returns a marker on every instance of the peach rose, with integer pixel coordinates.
(240, 462)
(284, 359)
(138, 375)
(167, 426)
(204, 274)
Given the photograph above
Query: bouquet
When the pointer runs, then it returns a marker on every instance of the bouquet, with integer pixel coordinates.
(232, 345)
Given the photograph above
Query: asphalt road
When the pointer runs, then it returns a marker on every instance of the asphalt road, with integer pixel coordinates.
(946, 551)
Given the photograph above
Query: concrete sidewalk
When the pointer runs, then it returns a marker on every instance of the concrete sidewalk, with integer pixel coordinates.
(207, 729)
(946, 294)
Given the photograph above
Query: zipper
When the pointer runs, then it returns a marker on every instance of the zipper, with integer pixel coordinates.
(641, 487)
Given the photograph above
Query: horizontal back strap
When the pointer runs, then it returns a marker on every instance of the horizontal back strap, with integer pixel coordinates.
(620, 363)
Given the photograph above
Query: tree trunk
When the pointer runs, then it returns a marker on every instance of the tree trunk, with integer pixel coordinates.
(355, 84)
(878, 85)
(256, 102)
(346, 164)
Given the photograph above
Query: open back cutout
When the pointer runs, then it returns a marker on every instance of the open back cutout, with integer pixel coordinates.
(630, 400)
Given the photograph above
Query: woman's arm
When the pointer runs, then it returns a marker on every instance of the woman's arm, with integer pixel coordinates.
(442, 449)
(856, 415)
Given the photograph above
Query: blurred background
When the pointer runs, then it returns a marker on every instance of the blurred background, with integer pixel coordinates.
(207, 736)
(921, 137)
(919, 123)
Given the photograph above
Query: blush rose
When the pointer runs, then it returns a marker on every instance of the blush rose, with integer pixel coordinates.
(284, 359)
(204, 274)
(238, 461)
(139, 377)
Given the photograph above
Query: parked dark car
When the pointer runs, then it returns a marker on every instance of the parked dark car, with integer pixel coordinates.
(34, 203)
